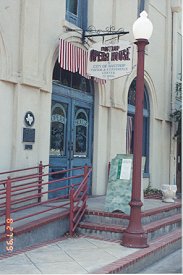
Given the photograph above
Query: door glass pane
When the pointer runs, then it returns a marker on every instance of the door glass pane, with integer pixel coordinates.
(81, 132)
(58, 129)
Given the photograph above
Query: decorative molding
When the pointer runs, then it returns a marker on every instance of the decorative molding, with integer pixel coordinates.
(176, 5)
(91, 31)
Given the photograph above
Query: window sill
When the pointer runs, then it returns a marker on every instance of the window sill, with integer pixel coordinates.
(71, 27)
(146, 175)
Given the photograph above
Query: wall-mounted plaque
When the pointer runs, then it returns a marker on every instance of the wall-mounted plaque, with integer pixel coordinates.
(126, 168)
(28, 135)
(28, 147)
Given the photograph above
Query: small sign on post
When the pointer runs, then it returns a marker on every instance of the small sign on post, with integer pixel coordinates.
(126, 167)
(119, 187)
(110, 61)
(120, 184)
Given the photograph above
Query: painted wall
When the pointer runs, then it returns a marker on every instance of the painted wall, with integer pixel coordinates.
(29, 37)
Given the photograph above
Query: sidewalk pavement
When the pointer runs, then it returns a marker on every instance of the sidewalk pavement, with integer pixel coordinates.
(68, 256)
(170, 264)
(82, 256)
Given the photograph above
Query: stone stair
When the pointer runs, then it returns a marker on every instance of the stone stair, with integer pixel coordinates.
(144, 258)
(35, 232)
(163, 225)
(156, 222)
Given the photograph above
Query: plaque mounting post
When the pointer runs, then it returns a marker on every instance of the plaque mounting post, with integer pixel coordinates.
(91, 31)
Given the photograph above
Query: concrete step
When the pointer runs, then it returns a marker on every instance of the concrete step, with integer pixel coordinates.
(169, 264)
(115, 232)
(111, 226)
(162, 227)
(35, 232)
(158, 249)
(148, 216)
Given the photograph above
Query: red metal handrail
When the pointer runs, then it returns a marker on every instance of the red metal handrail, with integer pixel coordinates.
(24, 169)
(78, 199)
(22, 192)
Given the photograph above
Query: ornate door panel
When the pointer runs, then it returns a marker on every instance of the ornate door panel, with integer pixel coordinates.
(59, 145)
(71, 134)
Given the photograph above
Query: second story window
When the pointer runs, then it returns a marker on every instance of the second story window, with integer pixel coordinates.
(141, 6)
(73, 7)
(76, 12)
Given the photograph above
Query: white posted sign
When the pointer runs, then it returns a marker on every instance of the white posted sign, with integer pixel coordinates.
(110, 61)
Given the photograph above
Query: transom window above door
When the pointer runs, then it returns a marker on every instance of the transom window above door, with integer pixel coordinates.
(76, 12)
(73, 80)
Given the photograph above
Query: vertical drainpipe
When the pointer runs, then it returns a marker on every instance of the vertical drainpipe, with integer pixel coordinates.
(173, 76)
(175, 8)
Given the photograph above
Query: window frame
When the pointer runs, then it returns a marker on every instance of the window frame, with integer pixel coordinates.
(80, 20)
(146, 127)
(141, 6)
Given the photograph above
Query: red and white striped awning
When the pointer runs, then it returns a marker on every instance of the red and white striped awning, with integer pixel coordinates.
(74, 59)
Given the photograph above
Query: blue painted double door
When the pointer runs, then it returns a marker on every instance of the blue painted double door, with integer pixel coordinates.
(71, 135)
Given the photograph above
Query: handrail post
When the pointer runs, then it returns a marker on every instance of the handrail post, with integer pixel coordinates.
(40, 180)
(85, 170)
(8, 206)
(85, 184)
(109, 166)
(71, 195)
(85, 174)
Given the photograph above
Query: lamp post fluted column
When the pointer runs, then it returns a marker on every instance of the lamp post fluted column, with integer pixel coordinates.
(134, 235)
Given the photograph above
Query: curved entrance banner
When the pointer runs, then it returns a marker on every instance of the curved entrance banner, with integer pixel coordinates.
(110, 61)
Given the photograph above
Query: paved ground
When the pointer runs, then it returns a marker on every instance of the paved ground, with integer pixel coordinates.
(98, 203)
(81, 256)
(70, 256)
(171, 264)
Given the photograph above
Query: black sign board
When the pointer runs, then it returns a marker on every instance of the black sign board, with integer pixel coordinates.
(28, 135)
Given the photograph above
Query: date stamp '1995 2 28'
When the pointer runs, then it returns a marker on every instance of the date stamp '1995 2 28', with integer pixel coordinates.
(9, 235)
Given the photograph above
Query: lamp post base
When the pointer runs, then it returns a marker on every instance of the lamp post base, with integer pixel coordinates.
(134, 240)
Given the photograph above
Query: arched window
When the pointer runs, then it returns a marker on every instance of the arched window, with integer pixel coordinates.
(130, 125)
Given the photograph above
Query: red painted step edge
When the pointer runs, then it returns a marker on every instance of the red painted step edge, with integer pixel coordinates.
(102, 227)
(32, 225)
(122, 263)
(119, 229)
(146, 213)
(158, 224)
